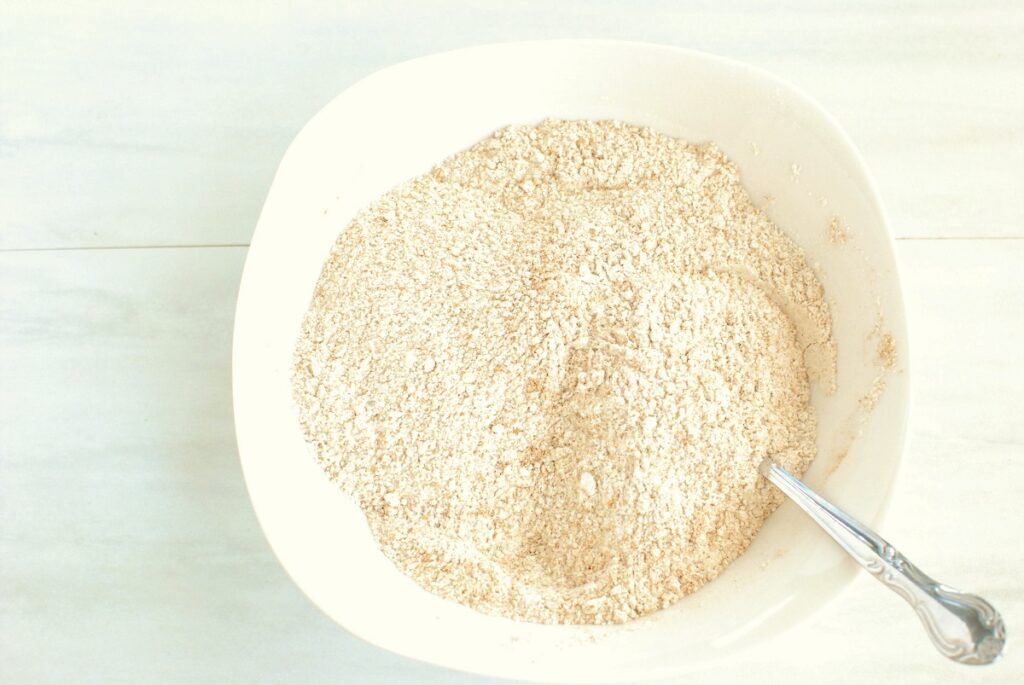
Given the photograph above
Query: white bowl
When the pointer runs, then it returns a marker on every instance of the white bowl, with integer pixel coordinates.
(395, 125)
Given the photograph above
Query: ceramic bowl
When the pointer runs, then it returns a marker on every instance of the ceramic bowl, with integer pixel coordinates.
(397, 123)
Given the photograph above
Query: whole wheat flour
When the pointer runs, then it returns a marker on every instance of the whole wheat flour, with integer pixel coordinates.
(547, 370)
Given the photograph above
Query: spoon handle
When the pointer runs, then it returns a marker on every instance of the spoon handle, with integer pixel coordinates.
(963, 627)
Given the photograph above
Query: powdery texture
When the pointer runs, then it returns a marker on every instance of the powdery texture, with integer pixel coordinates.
(547, 370)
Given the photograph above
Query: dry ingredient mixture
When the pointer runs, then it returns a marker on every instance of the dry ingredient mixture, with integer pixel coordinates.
(547, 370)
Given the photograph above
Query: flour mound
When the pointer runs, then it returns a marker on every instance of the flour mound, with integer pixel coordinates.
(547, 370)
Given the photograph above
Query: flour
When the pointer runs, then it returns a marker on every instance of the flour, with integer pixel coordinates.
(547, 370)
(836, 232)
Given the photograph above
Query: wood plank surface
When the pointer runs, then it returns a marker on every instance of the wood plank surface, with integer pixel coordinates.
(129, 551)
(137, 124)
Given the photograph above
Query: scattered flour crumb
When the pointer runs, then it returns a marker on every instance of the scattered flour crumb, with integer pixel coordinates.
(836, 233)
(887, 351)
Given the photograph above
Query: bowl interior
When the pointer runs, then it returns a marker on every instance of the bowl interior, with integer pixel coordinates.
(396, 124)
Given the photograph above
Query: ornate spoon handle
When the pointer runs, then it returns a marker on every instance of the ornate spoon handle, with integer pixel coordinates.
(963, 627)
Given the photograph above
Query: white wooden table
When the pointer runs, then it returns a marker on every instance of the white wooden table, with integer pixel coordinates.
(136, 146)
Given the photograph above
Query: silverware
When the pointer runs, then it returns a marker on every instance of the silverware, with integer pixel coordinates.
(963, 627)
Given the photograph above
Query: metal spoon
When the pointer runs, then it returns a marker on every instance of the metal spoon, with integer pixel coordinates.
(963, 627)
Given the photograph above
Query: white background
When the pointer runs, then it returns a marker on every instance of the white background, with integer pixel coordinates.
(136, 145)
